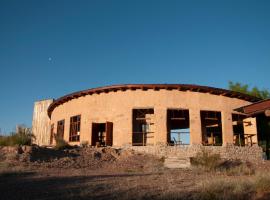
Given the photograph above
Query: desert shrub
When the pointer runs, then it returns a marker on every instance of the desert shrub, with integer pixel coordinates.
(23, 136)
(60, 143)
(206, 160)
(209, 161)
(3, 141)
(84, 143)
(241, 168)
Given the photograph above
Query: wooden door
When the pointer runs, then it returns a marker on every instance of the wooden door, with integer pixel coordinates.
(95, 129)
(109, 133)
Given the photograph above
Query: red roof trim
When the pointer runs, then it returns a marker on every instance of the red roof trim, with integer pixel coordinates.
(255, 108)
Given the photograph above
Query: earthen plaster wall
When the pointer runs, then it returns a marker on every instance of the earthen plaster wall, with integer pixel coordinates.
(117, 107)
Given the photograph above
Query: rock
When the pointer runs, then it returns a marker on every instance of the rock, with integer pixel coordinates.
(26, 149)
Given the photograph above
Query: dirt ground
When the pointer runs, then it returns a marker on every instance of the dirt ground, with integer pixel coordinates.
(97, 173)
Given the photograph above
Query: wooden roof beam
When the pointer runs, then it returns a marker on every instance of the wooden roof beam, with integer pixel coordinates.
(132, 88)
(224, 94)
(212, 92)
(144, 88)
(234, 95)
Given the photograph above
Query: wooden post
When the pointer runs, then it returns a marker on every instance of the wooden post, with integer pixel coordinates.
(143, 139)
(239, 139)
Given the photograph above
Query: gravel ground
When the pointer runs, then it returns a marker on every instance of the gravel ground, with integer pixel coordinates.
(97, 173)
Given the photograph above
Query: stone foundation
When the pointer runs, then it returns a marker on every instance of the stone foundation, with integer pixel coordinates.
(247, 153)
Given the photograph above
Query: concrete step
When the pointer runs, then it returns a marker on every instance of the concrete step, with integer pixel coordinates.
(176, 162)
(176, 159)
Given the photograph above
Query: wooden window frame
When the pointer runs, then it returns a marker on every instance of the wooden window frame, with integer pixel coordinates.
(146, 126)
(75, 128)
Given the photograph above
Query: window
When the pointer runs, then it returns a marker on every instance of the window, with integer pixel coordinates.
(238, 129)
(102, 134)
(142, 123)
(75, 126)
(211, 128)
(60, 128)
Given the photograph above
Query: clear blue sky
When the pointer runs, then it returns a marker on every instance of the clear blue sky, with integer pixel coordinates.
(51, 48)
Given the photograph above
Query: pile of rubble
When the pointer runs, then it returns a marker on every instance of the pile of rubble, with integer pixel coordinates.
(78, 157)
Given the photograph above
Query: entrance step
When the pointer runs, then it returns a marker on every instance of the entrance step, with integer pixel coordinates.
(174, 162)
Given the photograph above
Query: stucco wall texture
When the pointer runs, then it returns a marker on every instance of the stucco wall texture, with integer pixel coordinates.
(116, 107)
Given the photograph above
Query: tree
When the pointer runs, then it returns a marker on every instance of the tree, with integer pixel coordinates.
(22, 136)
(244, 88)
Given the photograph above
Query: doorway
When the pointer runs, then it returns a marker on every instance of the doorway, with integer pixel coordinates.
(102, 134)
(211, 128)
(238, 129)
(178, 132)
(263, 127)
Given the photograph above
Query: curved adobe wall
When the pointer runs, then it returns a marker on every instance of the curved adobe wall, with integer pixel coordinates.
(117, 107)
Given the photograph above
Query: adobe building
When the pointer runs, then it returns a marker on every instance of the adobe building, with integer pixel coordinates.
(147, 115)
(261, 111)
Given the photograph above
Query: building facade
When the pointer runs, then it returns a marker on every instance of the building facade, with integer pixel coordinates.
(151, 115)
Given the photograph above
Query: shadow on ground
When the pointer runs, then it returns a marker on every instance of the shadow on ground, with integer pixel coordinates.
(29, 185)
(36, 186)
(46, 154)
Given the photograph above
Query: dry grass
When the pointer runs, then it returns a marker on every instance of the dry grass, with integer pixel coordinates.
(262, 183)
(210, 162)
(206, 160)
(230, 188)
(225, 189)
(239, 169)
(121, 185)
(131, 176)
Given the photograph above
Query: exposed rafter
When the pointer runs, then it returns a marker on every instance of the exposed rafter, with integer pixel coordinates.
(155, 87)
